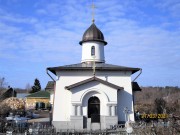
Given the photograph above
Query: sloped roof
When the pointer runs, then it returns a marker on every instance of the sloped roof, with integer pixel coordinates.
(5, 93)
(39, 94)
(94, 79)
(135, 86)
(88, 66)
(50, 86)
(2, 91)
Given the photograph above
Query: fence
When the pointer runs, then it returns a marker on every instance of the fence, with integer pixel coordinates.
(141, 128)
(39, 129)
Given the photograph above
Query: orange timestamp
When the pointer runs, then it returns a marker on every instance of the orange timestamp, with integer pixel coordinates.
(154, 116)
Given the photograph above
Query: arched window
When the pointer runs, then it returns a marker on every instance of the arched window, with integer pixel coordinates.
(92, 51)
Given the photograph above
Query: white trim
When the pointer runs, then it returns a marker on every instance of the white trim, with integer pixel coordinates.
(94, 90)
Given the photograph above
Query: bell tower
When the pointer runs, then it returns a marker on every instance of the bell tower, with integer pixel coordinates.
(93, 45)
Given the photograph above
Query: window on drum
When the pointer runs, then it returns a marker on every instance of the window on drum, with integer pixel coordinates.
(92, 51)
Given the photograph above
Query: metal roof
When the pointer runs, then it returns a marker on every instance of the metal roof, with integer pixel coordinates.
(88, 66)
(93, 34)
(94, 79)
(50, 86)
(6, 93)
(135, 86)
(39, 94)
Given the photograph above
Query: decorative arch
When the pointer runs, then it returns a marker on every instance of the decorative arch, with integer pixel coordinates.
(93, 92)
(105, 97)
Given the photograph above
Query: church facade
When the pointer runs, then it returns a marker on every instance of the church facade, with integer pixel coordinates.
(92, 94)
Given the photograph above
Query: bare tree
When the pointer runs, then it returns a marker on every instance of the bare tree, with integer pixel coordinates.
(3, 83)
(28, 87)
(160, 105)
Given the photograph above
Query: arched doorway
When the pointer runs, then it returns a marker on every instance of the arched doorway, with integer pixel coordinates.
(94, 109)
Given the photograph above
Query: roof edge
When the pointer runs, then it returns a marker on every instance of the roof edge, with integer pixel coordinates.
(81, 42)
(87, 67)
(93, 79)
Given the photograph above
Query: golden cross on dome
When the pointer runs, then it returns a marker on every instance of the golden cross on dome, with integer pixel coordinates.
(93, 9)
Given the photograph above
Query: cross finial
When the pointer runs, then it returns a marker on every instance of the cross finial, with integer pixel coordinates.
(94, 66)
(93, 8)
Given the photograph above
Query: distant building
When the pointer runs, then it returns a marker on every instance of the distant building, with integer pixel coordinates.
(38, 100)
(21, 93)
(50, 89)
(6, 93)
(50, 86)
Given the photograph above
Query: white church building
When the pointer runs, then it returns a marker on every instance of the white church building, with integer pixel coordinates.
(92, 94)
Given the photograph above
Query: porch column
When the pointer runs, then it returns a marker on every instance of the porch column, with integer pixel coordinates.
(113, 110)
(108, 110)
(79, 110)
(73, 112)
(116, 110)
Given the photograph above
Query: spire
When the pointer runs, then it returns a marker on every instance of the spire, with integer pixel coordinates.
(93, 33)
(93, 44)
(93, 9)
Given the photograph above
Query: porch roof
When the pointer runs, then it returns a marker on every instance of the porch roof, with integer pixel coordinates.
(94, 79)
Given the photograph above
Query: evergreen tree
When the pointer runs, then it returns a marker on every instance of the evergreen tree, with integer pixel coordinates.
(36, 87)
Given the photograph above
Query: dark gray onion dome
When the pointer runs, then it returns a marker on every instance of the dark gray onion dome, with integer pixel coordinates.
(93, 34)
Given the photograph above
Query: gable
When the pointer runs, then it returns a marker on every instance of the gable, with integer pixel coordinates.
(91, 80)
(93, 88)
(50, 86)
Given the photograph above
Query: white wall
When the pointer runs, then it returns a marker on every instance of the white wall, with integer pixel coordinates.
(51, 97)
(125, 100)
(106, 95)
(63, 98)
(99, 51)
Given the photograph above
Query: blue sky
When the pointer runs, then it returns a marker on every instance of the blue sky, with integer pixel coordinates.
(36, 34)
